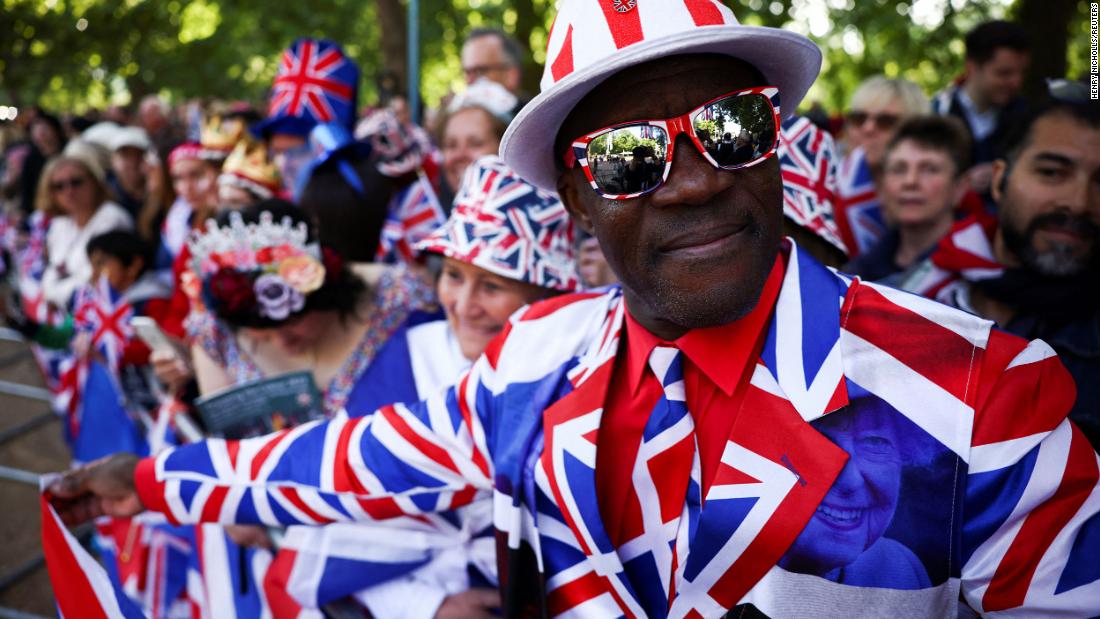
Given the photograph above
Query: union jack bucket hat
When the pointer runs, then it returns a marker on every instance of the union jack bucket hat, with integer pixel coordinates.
(591, 40)
(509, 227)
(316, 83)
(807, 161)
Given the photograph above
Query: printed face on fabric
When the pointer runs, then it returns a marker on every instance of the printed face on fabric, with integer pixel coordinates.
(883, 508)
(1050, 198)
(695, 252)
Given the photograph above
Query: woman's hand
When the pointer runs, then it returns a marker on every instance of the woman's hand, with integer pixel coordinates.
(472, 604)
(171, 369)
(249, 536)
(104, 487)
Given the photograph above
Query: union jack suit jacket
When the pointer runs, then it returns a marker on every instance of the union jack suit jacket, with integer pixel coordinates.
(977, 483)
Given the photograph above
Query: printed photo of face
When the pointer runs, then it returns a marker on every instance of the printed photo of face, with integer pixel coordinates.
(860, 505)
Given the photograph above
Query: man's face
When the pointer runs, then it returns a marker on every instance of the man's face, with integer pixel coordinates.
(127, 165)
(1000, 78)
(920, 185)
(1050, 204)
(695, 252)
(484, 57)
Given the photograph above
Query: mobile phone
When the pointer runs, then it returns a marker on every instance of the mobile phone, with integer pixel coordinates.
(146, 328)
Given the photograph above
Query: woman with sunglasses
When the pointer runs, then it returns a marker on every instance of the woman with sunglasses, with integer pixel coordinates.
(72, 192)
(878, 106)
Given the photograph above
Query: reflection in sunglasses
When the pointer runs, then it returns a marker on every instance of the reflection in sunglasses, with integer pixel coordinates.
(732, 131)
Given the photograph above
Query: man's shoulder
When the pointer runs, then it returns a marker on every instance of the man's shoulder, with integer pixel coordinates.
(553, 331)
(910, 316)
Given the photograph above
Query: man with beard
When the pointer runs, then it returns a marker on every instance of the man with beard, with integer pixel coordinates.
(1035, 268)
(656, 449)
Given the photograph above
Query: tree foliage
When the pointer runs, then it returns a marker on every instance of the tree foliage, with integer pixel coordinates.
(70, 54)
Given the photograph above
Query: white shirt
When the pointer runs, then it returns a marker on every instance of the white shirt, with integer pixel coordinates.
(982, 124)
(66, 248)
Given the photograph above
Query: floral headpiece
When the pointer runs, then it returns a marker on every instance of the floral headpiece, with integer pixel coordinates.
(263, 269)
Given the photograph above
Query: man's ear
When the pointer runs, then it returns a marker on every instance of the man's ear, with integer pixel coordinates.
(570, 197)
(1000, 180)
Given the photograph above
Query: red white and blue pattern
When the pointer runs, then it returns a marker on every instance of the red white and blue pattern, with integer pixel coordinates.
(82, 587)
(807, 160)
(101, 313)
(509, 227)
(316, 82)
(859, 215)
(586, 32)
(414, 215)
(964, 256)
(1019, 521)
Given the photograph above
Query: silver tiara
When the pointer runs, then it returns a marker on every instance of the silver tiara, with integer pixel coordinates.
(242, 241)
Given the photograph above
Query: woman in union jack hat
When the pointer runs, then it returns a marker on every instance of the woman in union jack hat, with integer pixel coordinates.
(505, 245)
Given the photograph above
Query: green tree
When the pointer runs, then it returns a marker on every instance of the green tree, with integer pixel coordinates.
(70, 54)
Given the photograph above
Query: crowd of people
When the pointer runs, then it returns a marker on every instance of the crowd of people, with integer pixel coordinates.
(539, 274)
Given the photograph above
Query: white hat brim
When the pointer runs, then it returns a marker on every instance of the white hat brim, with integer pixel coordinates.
(788, 61)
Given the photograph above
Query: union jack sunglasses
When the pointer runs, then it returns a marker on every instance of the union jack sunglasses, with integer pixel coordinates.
(736, 130)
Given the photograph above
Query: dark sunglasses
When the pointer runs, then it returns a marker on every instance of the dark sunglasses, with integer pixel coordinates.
(72, 183)
(882, 122)
(736, 130)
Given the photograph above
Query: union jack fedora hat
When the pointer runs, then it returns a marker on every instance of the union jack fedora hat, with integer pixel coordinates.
(507, 226)
(591, 40)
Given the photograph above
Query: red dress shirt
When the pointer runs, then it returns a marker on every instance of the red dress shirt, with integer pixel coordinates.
(718, 364)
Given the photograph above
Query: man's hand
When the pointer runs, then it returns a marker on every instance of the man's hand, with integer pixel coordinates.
(473, 604)
(101, 488)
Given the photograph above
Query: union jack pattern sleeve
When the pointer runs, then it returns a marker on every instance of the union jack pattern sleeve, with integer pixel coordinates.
(1032, 505)
(403, 460)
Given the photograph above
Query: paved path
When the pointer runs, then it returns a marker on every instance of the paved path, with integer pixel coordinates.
(39, 450)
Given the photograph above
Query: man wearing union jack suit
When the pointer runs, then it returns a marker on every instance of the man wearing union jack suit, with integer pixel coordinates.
(736, 427)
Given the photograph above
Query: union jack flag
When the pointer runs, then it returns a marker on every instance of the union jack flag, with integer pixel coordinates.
(316, 82)
(807, 160)
(104, 316)
(414, 214)
(859, 214)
